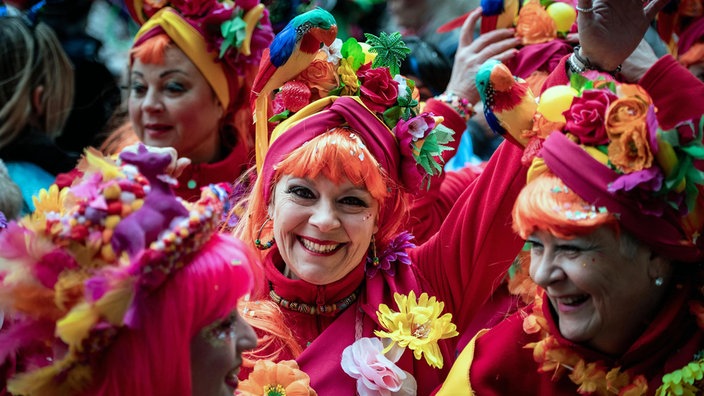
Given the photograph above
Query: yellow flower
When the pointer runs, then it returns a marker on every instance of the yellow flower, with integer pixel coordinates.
(418, 325)
(47, 201)
(348, 78)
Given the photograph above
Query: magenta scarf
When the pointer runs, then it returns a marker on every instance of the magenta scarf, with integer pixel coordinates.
(345, 110)
(590, 180)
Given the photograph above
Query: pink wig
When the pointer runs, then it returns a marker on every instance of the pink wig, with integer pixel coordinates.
(154, 359)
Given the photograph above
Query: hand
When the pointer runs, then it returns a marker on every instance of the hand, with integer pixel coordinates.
(471, 54)
(612, 29)
(177, 164)
(635, 66)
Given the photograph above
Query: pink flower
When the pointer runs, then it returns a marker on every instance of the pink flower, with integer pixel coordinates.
(417, 127)
(375, 373)
(586, 118)
(378, 89)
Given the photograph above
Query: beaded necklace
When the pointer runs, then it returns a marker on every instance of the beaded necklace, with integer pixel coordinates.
(327, 309)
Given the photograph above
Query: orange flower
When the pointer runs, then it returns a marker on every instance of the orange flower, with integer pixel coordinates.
(534, 25)
(283, 378)
(628, 111)
(542, 127)
(630, 152)
(589, 376)
(320, 75)
(639, 387)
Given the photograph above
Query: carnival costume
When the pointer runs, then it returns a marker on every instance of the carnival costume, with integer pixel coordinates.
(526, 354)
(225, 41)
(338, 323)
(78, 273)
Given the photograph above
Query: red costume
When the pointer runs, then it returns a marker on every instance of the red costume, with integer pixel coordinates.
(497, 362)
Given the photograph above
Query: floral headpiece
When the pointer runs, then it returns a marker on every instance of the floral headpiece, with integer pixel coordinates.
(223, 39)
(369, 73)
(536, 21)
(611, 151)
(78, 265)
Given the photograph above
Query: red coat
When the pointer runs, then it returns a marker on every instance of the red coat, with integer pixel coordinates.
(461, 265)
(496, 362)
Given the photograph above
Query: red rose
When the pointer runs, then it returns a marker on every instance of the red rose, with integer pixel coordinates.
(586, 118)
(378, 90)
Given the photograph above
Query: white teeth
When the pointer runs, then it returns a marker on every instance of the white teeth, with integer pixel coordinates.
(572, 300)
(318, 248)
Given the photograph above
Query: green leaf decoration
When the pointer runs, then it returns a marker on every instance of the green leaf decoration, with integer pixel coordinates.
(546, 3)
(336, 91)
(685, 381)
(233, 32)
(280, 117)
(432, 148)
(353, 52)
(390, 50)
(392, 115)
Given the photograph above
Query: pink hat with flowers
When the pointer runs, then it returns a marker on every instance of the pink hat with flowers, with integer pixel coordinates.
(603, 140)
(358, 85)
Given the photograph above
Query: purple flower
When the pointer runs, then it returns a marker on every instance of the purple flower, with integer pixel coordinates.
(415, 128)
(3, 220)
(649, 179)
(395, 252)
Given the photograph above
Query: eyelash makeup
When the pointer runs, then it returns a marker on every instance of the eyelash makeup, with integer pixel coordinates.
(222, 331)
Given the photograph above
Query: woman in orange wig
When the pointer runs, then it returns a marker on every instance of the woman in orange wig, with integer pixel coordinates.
(612, 213)
(189, 79)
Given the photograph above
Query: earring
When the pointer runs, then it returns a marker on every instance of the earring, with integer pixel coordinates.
(258, 242)
(659, 281)
(375, 258)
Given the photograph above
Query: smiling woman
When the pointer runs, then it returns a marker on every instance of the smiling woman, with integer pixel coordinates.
(328, 212)
(612, 215)
(192, 66)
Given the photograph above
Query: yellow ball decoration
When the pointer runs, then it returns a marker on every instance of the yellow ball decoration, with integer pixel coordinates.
(563, 14)
(556, 100)
(112, 192)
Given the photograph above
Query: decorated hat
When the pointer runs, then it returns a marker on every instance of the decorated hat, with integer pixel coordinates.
(603, 140)
(74, 272)
(358, 85)
(542, 27)
(223, 39)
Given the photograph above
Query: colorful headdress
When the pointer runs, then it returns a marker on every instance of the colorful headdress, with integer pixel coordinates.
(602, 139)
(79, 266)
(357, 85)
(223, 39)
(541, 26)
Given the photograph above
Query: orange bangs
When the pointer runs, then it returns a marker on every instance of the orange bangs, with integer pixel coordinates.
(152, 50)
(547, 204)
(338, 155)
